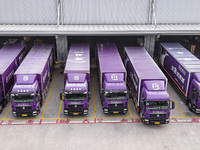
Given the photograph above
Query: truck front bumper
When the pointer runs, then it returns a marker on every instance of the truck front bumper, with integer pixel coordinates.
(156, 120)
(25, 113)
(115, 110)
(75, 111)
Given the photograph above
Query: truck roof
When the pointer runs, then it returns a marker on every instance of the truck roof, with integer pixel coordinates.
(143, 64)
(36, 59)
(190, 62)
(8, 54)
(109, 58)
(78, 60)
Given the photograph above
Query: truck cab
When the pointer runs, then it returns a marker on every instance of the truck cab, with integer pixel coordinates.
(193, 101)
(25, 96)
(155, 103)
(76, 94)
(114, 93)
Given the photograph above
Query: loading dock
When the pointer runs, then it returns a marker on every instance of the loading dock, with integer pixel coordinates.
(52, 110)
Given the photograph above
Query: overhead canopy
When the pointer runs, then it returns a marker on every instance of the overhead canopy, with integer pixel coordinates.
(50, 30)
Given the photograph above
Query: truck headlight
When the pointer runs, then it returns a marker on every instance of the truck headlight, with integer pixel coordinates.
(66, 111)
(85, 110)
(105, 109)
(167, 119)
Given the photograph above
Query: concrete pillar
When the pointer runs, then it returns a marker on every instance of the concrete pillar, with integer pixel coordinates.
(62, 48)
(149, 44)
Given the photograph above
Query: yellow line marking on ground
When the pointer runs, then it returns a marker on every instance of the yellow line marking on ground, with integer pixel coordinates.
(24, 119)
(129, 109)
(176, 117)
(6, 113)
(116, 117)
(79, 118)
(95, 115)
(192, 116)
(59, 109)
(176, 105)
(48, 98)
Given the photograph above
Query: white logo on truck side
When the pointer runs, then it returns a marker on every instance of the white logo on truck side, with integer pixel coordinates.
(78, 55)
(9, 76)
(25, 78)
(76, 78)
(114, 77)
(155, 86)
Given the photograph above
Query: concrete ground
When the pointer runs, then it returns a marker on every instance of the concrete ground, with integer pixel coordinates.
(51, 129)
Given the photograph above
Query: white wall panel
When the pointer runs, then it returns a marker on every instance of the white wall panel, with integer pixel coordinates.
(177, 11)
(105, 11)
(28, 11)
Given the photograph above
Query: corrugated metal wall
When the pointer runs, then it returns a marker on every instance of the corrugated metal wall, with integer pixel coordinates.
(177, 11)
(105, 11)
(28, 11)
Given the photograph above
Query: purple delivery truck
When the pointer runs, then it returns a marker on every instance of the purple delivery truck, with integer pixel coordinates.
(11, 56)
(31, 81)
(147, 86)
(112, 76)
(76, 93)
(184, 70)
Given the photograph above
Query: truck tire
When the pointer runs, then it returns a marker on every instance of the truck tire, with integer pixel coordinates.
(190, 105)
(141, 116)
(1, 108)
(38, 109)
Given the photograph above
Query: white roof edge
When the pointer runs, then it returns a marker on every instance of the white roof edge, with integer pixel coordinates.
(90, 30)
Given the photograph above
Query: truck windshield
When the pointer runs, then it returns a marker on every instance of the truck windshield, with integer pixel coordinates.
(75, 97)
(157, 105)
(115, 95)
(23, 98)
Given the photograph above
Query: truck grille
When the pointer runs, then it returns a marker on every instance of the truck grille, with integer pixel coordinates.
(158, 115)
(116, 105)
(23, 107)
(75, 105)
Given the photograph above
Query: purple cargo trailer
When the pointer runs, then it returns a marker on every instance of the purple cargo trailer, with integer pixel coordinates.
(112, 76)
(11, 56)
(147, 86)
(184, 70)
(76, 80)
(31, 81)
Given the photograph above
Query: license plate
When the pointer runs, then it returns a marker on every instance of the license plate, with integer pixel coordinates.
(75, 113)
(24, 115)
(115, 112)
(156, 122)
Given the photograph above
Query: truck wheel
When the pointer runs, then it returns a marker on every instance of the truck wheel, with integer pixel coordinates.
(141, 116)
(38, 109)
(190, 105)
(1, 108)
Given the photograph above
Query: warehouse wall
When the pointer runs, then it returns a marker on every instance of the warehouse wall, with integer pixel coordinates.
(177, 11)
(99, 11)
(28, 11)
(105, 11)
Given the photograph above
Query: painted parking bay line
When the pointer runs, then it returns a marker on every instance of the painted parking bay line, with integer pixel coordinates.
(176, 105)
(95, 115)
(48, 98)
(6, 113)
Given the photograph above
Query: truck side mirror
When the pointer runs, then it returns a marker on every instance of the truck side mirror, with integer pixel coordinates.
(141, 105)
(61, 96)
(89, 95)
(129, 94)
(9, 98)
(173, 104)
